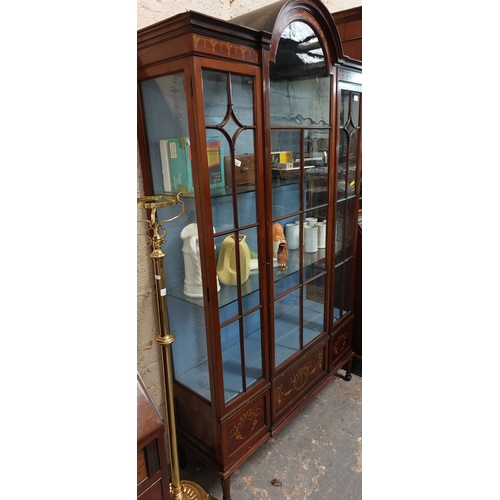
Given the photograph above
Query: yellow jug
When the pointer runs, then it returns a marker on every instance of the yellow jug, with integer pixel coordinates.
(226, 265)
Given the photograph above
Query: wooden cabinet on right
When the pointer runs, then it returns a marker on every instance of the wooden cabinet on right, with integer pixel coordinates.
(349, 25)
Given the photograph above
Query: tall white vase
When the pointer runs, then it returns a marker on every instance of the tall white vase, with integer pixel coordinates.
(292, 236)
(310, 239)
(193, 285)
(321, 234)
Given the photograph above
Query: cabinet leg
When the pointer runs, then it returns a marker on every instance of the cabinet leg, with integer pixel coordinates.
(226, 488)
(348, 370)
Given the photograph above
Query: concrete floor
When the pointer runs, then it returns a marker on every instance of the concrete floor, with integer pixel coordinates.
(317, 456)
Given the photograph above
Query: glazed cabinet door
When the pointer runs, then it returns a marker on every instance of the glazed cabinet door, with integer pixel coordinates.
(203, 137)
(232, 128)
(232, 119)
(301, 166)
(348, 192)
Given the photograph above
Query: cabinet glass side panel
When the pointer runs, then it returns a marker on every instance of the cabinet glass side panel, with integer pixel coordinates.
(165, 112)
(229, 119)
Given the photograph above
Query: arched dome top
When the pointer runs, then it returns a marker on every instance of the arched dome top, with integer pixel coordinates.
(274, 18)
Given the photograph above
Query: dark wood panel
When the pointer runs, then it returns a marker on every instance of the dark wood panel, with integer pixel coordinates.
(349, 25)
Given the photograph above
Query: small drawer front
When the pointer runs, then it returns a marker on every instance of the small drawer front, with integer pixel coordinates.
(341, 344)
(297, 381)
(244, 169)
(247, 425)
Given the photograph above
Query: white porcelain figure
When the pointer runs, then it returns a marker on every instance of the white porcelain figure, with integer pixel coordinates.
(310, 239)
(193, 286)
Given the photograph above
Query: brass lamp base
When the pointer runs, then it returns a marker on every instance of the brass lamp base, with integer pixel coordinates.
(190, 491)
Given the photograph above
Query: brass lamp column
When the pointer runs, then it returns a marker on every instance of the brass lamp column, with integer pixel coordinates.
(179, 490)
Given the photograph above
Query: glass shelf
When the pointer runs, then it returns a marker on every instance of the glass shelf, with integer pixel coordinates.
(293, 263)
(229, 294)
(287, 177)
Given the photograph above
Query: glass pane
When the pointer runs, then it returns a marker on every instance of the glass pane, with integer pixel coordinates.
(351, 226)
(344, 108)
(285, 162)
(338, 298)
(284, 281)
(215, 92)
(242, 98)
(190, 348)
(314, 301)
(250, 289)
(343, 293)
(244, 172)
(231, 360)
(223, 213)
(287, 326)
(300, 89)
(343, 151)
(316, 173)
(165, 110)
(339, 233)
(352, 164)
(253, 347)
(314, 263)
(348, 285)
(355, 108)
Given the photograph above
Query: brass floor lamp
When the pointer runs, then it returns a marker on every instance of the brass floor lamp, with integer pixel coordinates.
(179, 490)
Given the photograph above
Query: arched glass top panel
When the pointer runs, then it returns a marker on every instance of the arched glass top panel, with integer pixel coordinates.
(300, 84)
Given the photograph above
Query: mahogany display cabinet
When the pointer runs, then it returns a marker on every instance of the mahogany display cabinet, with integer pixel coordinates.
(257, 122)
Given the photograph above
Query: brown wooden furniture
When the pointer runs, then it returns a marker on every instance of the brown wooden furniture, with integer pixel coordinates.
(152, 472)
(349, 24)
(275, 88)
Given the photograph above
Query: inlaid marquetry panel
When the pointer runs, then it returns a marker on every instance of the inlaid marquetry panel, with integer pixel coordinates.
(298, 380)
(341, 343)
(224, 48)
(246, 425)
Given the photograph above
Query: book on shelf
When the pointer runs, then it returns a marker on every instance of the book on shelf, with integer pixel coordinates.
(215, 154)
(176, 164)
